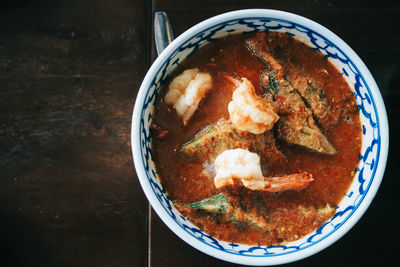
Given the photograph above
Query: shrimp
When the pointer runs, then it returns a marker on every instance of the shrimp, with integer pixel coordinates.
(186, 91)
(243, 165)
(248, 111)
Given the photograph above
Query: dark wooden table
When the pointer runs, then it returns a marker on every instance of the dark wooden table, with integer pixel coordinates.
(69, 74)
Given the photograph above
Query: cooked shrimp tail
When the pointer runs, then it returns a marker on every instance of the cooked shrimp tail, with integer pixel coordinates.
(244, 166)
(297, 181)
(233, 80)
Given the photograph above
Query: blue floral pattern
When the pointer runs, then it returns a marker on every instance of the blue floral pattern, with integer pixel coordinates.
(371, 144)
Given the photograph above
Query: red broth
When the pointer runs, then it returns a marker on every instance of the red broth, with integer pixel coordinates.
(185, 181)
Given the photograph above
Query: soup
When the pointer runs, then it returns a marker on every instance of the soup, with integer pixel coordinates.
(264, 142)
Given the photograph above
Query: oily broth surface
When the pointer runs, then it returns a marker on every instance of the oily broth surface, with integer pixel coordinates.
(186, 181)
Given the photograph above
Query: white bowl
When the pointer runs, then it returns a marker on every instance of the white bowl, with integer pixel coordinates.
(375, 136)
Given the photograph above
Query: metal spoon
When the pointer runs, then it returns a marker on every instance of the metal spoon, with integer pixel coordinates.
(163, 34)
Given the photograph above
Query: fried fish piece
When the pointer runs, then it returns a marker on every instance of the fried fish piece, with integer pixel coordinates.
(227, 209)
(223, 206)
(222, 135)
(296, 124)
(309, 89)
(313, 94)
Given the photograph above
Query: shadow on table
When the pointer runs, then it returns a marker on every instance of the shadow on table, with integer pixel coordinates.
(20, 245)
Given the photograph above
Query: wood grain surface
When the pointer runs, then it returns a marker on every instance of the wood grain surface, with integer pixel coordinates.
(69, 74)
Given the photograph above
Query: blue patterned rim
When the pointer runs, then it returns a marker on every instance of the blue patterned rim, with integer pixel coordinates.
(369, 158)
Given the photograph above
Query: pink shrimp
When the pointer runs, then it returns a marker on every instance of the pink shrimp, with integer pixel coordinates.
(297, 181)
(240, 165)
(248, 111)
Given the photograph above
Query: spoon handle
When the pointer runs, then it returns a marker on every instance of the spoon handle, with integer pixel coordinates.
(163, 34)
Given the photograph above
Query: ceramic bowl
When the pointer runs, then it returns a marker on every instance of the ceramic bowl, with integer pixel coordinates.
(375, 137)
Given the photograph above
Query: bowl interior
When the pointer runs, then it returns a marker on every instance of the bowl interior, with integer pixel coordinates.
(364, 89)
